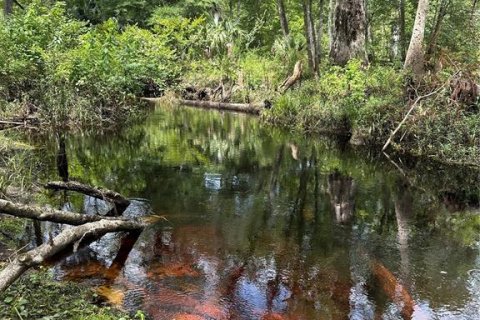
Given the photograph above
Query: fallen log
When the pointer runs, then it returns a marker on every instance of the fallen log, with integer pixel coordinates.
(393, 289)
(252, 108)
(48, 214)
(61, 242)
(120, 202)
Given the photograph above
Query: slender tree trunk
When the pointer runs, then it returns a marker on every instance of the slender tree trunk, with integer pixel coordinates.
(310, 35)
(283, 17)
(320, 31)
(394, 50)
(401, 28)
(62, 159)
(415, 59)
(348, 23)
(432, 43)
(7, 7)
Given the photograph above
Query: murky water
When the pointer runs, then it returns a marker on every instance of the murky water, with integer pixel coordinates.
(262, 224)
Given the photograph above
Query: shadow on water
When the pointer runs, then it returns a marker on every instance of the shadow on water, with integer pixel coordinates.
(263, 224)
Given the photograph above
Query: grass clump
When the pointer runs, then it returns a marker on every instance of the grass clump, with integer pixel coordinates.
(37, 296)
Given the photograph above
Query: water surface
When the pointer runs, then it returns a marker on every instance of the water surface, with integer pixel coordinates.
(258, 223)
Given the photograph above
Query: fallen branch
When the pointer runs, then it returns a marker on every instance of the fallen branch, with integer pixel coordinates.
(290, 81)
(393, 289)
(120, 202)
(47, 214)
(14, 123)
(61, 242)
(414, 105)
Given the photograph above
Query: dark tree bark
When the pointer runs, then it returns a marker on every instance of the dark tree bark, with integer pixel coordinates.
(283, 17)
(7, 7)
(348, 29)
(432, 43)
(319, 34)
(401, 29)
(62, 159)
(310, 35)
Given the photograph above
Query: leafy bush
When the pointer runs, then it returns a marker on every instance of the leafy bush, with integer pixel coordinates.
(27, 40)
(76, 75)
(342, 99)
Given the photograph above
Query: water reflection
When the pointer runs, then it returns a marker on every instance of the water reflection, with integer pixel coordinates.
(266, 225)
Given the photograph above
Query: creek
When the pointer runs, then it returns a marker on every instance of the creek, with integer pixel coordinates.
(259, 223)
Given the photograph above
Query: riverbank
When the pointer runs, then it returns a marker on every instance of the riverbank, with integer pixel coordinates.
(71, 75)
(365, 103)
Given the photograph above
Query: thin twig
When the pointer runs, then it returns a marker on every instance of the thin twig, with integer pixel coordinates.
(389, 141)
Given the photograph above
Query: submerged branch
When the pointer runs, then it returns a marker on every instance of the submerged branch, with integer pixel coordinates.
(393, 289)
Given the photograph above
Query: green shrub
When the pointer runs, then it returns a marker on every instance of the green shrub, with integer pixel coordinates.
(27, 40)
(75, 75)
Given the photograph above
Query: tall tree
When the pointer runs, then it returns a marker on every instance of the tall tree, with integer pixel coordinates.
(348, 28)
(415, 59)
(283, 17)
(310, 35)
(441, 13)
(319, 31)
(401, 28)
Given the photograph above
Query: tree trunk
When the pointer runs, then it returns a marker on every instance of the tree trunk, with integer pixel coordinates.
(432, 43)
(320, 31)
(415, 59)
(47, 214)
(61, 242)
(394, 49)
(310, 35)
(401, 28)
(348, 31)
(62, 159)
(7, 7)
(283, 17)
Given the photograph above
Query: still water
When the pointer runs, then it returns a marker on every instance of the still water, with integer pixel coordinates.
(258, 223)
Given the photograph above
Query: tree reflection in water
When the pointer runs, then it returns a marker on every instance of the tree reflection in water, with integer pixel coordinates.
(260, 227)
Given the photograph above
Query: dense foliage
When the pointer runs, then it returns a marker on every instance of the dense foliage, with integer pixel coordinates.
(84, 62)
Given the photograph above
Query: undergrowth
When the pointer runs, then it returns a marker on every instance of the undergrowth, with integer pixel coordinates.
(37, 296)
